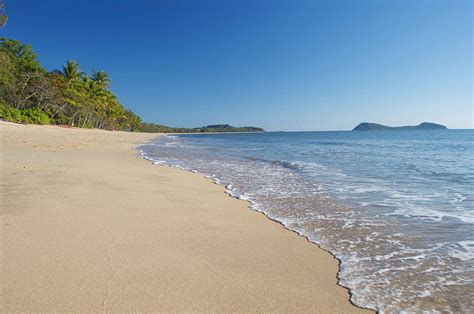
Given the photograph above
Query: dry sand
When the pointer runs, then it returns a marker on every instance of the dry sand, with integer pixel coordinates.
(88, 226)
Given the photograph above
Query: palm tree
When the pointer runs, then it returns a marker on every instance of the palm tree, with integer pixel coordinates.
(71, 71)
(95, 104)
(101, 78)
(92, 86)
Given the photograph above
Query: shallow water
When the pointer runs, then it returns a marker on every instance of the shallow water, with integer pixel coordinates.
(396, 207)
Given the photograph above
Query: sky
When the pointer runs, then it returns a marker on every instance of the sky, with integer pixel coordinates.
(281, 65)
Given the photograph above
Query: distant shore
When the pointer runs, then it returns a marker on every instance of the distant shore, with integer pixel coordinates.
(88, 226)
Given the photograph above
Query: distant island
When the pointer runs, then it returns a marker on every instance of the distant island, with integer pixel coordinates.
(367, 126)
(158, 128)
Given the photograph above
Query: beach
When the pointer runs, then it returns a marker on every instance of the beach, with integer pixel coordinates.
(340, 191)
(88, 226)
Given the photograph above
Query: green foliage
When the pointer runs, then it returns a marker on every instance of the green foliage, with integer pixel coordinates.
(30, 116)
(21, 75)
(10, 114)
(36, 116)
(157, 128)
(101, 78)
(30, 94)
(23, 55)
(228, 128)
(71, 71)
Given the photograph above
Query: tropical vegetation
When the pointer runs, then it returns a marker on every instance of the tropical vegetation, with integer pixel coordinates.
(30, 94)
(158, 128)
(68, 96)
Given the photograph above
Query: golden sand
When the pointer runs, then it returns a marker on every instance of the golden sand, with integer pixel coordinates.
(88, 226)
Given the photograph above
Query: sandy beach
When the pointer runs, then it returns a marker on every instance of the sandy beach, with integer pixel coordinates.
(88, 226)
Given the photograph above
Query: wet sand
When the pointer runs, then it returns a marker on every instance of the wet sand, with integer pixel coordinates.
(88, 226)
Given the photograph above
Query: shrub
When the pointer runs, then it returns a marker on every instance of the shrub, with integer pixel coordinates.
(36, 116)
(9, 113)
(33, 115)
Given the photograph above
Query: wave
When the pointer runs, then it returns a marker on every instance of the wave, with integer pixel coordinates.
(380, 232)
(282, 163)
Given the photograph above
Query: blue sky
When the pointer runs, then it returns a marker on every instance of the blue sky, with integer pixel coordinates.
(282, 65)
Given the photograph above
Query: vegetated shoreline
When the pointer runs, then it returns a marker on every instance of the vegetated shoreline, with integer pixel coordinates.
(161, 133)
(158, 227)
(68, 96)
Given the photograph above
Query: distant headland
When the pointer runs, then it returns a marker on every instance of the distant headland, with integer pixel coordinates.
(158, 128)
(29, 94)
(367, 126)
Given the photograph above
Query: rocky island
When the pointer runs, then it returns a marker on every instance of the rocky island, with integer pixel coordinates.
(367, 126)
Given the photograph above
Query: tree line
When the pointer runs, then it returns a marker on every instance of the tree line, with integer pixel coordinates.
(30, 94)
(69, 96)
(220, 128)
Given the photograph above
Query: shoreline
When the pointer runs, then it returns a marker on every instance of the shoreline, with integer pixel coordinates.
(250, 207)
(99, 231)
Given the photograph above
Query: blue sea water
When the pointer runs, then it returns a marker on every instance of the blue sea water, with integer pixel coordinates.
(396, 207)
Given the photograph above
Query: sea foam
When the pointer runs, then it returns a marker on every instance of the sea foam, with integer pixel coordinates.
(401, 227)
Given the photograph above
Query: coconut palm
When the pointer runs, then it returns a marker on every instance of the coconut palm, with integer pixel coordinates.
(101, 78)
(94, 88)
(71, 71)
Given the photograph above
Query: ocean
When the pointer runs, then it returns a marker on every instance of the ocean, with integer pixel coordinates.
(395, 207)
